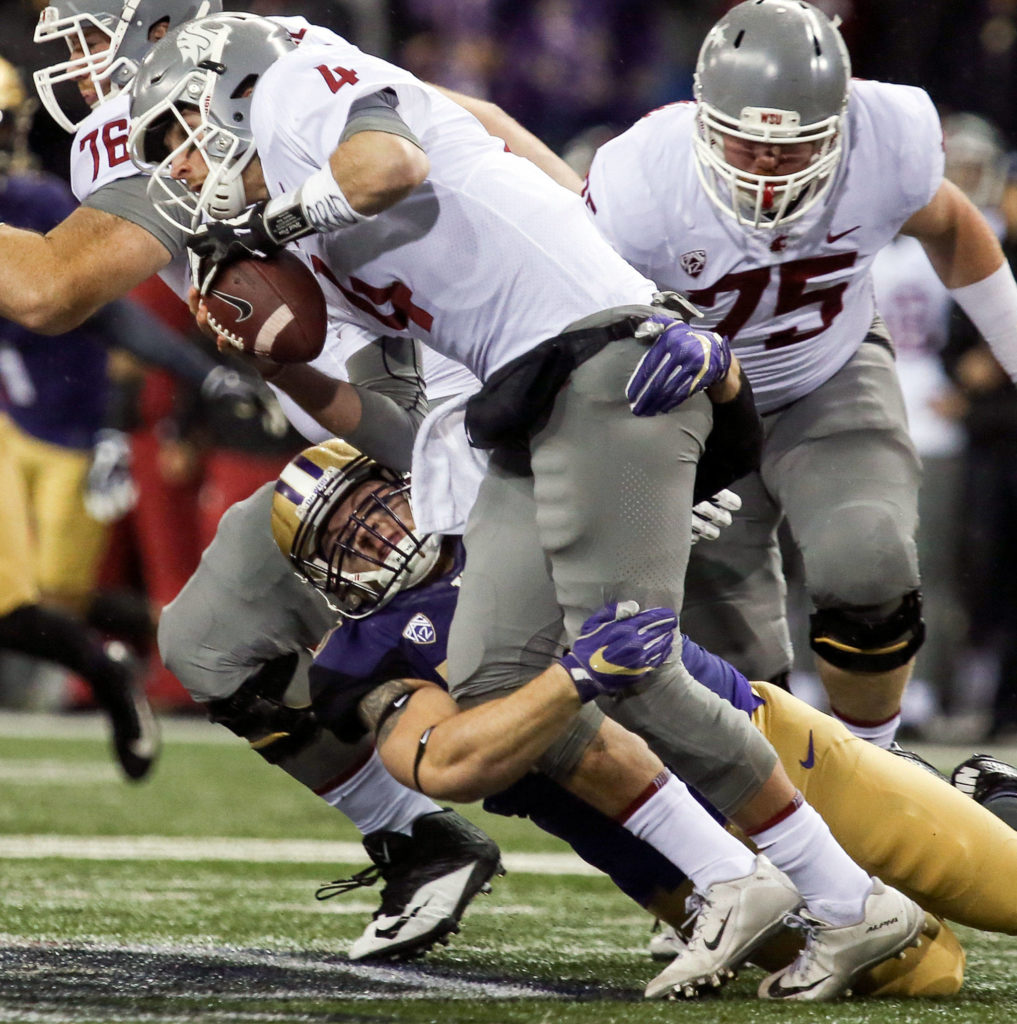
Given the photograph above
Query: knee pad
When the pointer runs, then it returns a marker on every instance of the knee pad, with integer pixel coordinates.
(256, 712)
(858, 642)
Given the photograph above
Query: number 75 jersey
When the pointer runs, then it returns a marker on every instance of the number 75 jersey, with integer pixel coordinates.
(797, 301)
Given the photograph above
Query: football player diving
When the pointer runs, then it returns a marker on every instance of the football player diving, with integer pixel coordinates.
(346, 524)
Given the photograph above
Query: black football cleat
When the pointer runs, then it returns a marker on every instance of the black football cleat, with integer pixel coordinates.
(990, 782)
(430, 878)
(135, 731)
(917, 759)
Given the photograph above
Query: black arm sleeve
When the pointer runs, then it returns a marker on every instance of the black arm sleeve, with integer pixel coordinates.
(735, 445)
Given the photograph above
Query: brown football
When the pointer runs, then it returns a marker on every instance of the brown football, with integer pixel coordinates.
(271, 308)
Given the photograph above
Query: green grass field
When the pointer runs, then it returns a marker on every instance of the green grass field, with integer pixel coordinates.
(190, 897)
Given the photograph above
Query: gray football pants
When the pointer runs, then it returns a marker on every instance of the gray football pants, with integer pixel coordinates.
(840, 465)
(606, 516)
(243, 606)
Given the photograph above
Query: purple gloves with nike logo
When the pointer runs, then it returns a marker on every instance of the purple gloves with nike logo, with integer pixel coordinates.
(682, 360)
(617, 646)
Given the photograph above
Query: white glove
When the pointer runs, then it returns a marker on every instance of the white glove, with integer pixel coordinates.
(110, 490)
(709, 517)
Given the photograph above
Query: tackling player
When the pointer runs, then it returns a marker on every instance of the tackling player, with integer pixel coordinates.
(340, 518)
(765, 202)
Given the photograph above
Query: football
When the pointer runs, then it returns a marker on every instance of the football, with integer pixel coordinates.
(271, 307)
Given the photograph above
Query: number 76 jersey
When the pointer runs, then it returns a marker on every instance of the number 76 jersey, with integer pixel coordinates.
(797, 301)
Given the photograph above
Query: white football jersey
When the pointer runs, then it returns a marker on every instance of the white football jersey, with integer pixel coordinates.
(99, 157)
(795, 302)
(484, 260)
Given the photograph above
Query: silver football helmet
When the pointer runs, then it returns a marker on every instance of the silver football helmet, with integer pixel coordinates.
(976, 158)
(774, 72)
(199, 78)
(369, 556)
(106, 39)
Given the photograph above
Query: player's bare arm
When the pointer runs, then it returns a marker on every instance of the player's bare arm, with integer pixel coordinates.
(518, 139)
(960, 244)
(375, 170)
(52, 283)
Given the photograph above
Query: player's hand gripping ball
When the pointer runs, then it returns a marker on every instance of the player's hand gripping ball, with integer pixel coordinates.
(617, 646)
(271, 308)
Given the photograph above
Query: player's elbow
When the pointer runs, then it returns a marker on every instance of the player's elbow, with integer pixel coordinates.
(406, 166)
(44, 308)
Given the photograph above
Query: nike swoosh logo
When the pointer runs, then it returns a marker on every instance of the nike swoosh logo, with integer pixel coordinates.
(242, 306)
(715, 941)
(810, 757)
(600, 665)
(777, 991)
(393, 930)
(831, 237)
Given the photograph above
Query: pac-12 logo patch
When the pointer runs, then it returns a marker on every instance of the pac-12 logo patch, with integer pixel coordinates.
(420, 630)
(693, 262)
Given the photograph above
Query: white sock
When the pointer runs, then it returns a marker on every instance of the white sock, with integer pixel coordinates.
(880, 733)
(668, 817)
(801, 844)
(373, 800)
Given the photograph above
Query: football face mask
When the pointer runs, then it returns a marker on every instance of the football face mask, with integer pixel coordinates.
(345, 523)
(106, 40)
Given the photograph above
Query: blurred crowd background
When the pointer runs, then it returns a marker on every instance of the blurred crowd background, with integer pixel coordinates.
(169, 451)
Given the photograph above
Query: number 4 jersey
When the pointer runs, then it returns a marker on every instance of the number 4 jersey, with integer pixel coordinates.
(796, 301)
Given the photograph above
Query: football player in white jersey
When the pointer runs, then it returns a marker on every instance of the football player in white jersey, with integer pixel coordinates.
(240, 628)
(765, 202)
(427, 225)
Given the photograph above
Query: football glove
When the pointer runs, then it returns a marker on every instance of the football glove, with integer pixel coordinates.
(110, 490)
(218, 243)
(709, 517)
(682, 361)
(617, 646)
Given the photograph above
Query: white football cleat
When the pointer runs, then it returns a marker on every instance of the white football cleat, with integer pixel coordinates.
(733, 918)
(430, 878)
(666, 943)
(835, 955)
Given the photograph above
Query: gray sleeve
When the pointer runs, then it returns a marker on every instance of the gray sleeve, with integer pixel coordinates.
(128, 198)
(388, 378)
(377, 113)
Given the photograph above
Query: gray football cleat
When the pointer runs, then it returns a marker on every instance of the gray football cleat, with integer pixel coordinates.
(665, 942)
(731, 920)
(833, 956)
(430, 878)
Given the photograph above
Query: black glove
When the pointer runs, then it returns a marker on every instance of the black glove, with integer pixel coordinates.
(221, 242)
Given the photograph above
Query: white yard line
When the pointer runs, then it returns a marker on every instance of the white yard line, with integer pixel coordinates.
(262, 851)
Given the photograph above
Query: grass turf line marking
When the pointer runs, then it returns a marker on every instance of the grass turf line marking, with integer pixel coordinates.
(262, 851)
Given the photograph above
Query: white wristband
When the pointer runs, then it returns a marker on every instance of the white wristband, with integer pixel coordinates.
(325, 205)
(991, 304)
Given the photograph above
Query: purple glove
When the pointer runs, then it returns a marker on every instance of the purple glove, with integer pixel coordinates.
(681, 361)
(617, 646)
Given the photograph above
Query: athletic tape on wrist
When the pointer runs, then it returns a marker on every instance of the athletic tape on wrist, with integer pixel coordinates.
(324, 203)
(991, 304)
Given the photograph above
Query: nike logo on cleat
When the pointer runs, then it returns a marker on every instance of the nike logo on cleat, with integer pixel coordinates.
(393, 929)
(810, 757)
(715, 941)
(777, 991)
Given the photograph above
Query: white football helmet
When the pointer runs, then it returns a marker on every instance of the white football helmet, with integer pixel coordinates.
(774, 72)
(363, 562)
(976, 158)
(209, 66)
(126, 24)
